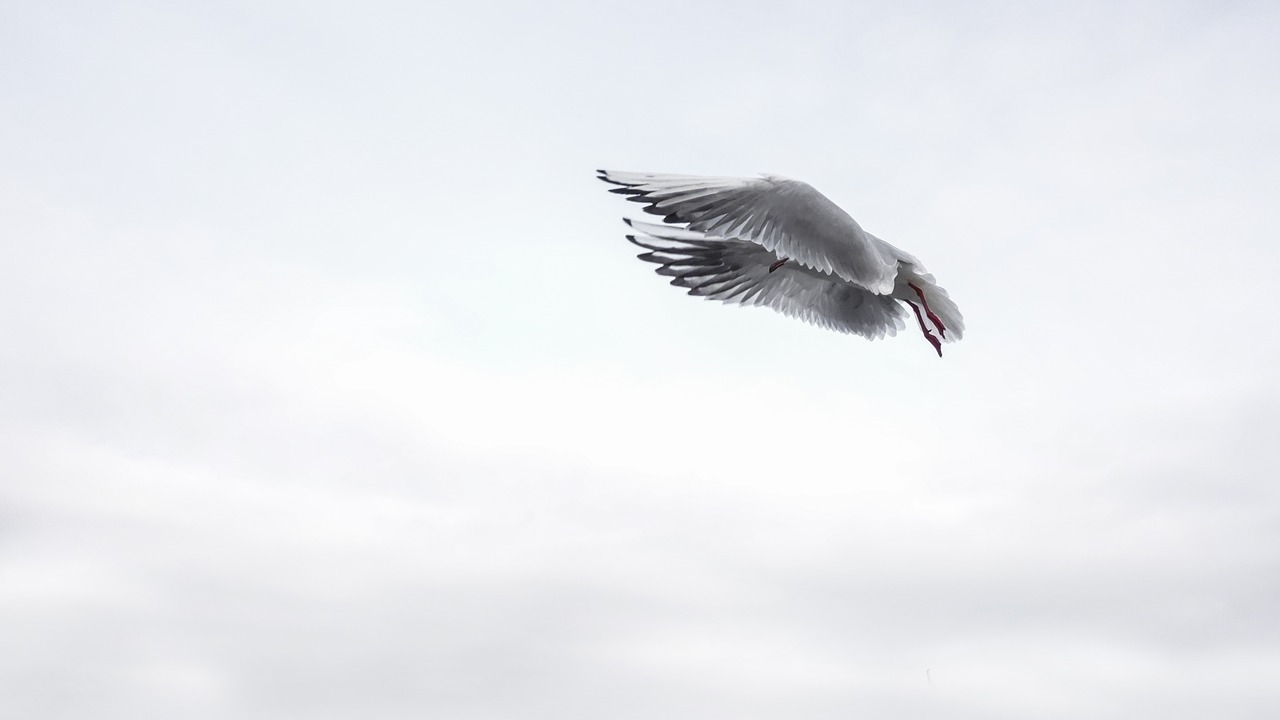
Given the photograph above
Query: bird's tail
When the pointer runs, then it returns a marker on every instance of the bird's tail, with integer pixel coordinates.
(918, 287)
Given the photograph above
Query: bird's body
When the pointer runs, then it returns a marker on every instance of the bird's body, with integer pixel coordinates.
(778, 242)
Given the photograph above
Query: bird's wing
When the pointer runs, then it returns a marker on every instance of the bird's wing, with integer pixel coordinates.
(783, 216)
(738, 271)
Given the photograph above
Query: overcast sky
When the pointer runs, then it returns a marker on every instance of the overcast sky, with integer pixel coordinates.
(329, 387)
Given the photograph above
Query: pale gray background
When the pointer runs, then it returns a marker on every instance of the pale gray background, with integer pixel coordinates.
(330, 389)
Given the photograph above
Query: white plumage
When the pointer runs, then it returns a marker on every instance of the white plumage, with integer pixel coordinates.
(778, 242)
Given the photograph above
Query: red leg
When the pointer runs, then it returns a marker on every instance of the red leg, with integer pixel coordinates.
(920, 293)
(778, 264)
(933, 340)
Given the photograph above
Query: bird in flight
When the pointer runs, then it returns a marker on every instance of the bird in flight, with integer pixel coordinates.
(778, 242)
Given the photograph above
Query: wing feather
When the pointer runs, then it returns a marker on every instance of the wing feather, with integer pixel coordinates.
(737, 271)
(786, 217)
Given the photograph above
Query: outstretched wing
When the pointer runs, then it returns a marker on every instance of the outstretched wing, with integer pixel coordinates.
(738, 271)
(783, 216)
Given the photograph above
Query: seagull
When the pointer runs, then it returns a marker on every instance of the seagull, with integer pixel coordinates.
(778, 242)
